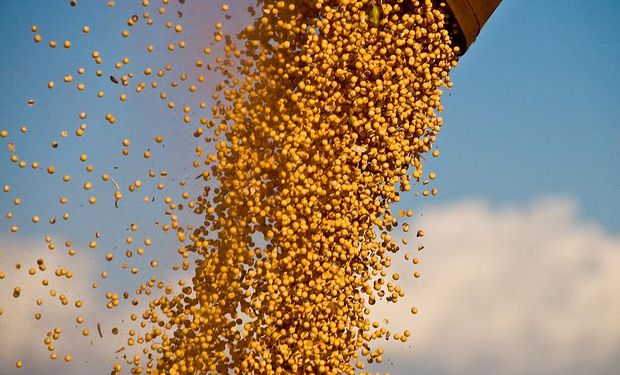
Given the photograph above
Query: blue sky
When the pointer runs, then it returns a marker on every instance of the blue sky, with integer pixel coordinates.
(535, 109)
(531, 135)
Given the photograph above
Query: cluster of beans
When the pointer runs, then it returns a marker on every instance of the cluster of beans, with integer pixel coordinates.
(335, 101)
(323, 114)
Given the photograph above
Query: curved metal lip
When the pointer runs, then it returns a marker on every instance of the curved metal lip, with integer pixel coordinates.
(470, 16)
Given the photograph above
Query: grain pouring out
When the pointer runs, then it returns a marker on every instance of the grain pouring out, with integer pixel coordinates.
(321, 117)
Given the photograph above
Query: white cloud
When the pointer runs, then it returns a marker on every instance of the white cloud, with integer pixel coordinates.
(513, 290)
(504, 290)
(21, 336)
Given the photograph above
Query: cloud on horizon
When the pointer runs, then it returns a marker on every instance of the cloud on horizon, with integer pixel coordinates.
(529, 289)
(22, 336)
